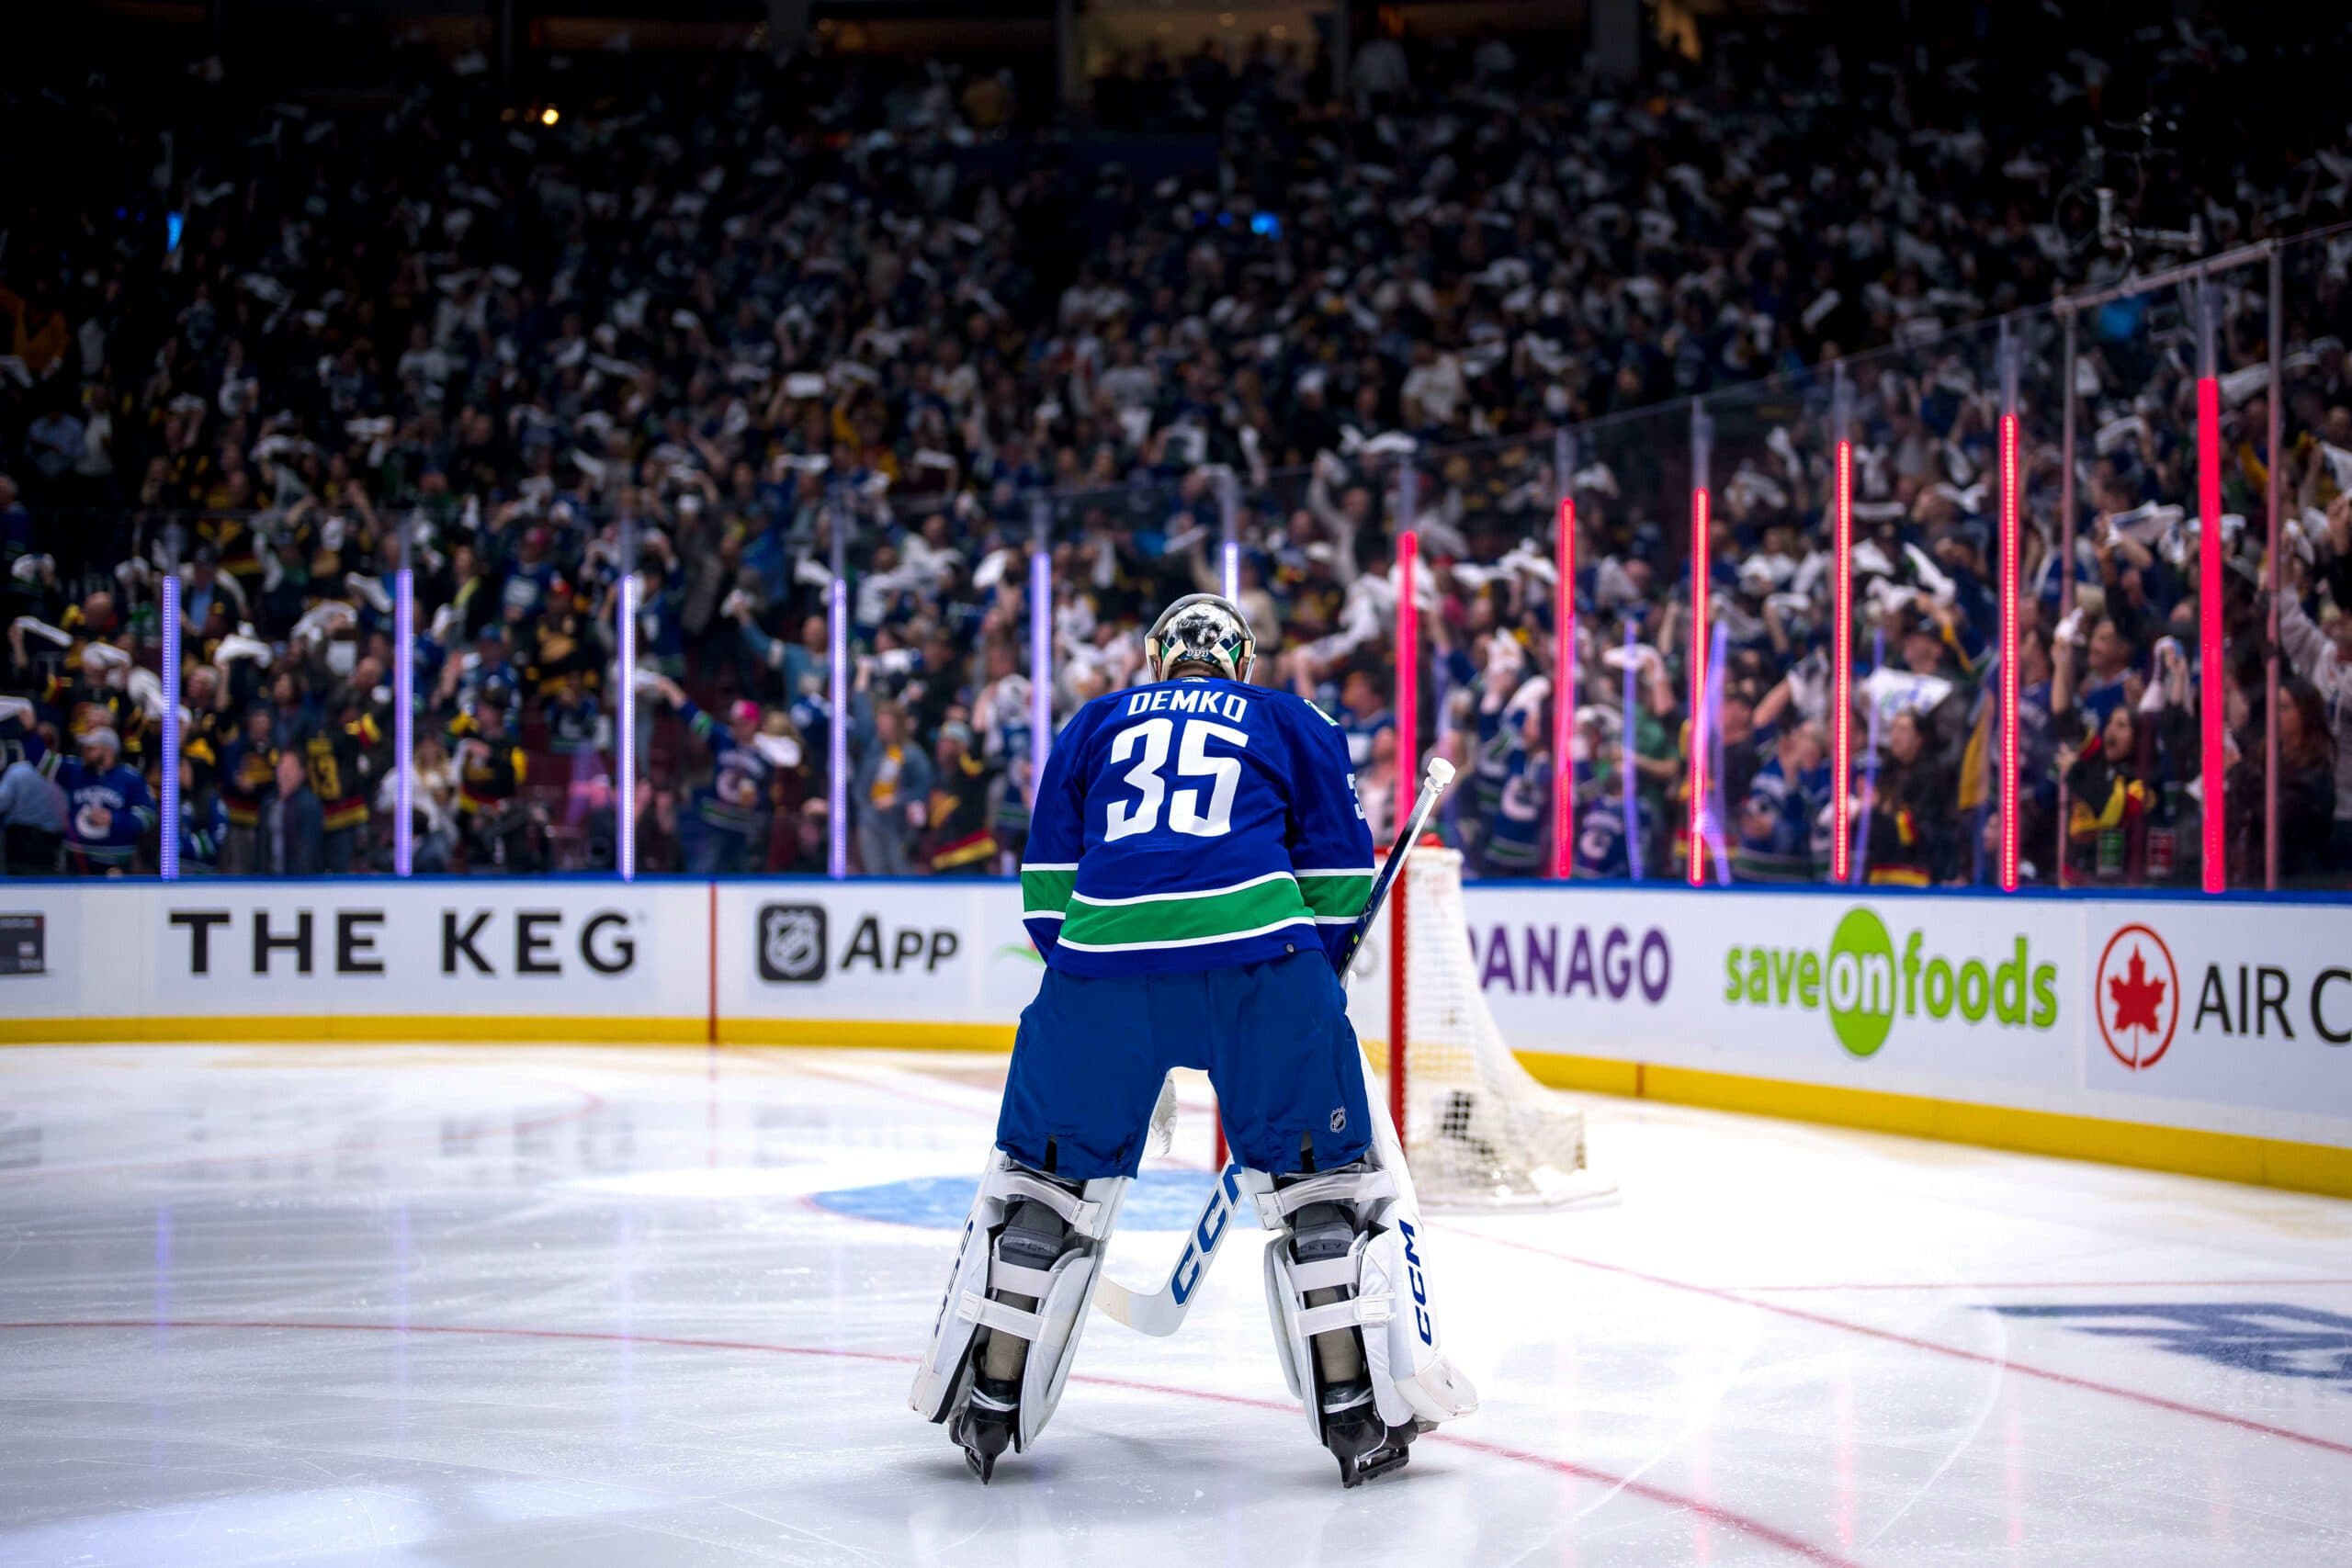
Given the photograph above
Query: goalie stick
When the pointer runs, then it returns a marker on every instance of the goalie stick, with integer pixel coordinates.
(1162, 1312)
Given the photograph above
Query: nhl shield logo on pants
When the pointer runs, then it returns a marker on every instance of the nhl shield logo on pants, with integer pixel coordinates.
(792, 943)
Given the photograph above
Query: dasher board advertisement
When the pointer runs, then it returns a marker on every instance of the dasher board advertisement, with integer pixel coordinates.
(367, 949)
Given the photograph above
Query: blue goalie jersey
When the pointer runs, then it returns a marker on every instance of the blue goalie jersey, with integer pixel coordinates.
(1193, 825)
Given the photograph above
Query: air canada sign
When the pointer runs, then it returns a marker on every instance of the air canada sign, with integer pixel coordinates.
(2243, 1004)
(2145, 998)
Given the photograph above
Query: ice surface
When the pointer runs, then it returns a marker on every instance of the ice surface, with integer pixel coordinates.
(582, 1306)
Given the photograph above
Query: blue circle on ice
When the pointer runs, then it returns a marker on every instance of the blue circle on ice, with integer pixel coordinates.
(1159, 1201)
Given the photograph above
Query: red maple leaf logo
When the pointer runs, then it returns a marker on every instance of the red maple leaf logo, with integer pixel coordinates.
(2144, 988)
(2136, 997)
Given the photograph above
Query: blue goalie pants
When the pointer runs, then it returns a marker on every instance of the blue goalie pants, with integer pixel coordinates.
(1273, 1037)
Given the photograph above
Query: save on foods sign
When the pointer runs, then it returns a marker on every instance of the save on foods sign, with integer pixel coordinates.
(1915, 994)
(1905, 994)
(1868, 980)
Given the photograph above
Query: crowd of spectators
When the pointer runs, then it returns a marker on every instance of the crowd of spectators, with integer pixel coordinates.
(276, 351)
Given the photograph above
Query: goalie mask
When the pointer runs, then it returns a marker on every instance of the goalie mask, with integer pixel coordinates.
(1201, 628)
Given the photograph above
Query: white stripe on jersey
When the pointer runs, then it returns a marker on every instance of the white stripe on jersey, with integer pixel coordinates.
(1185, 941)
(1187, 893)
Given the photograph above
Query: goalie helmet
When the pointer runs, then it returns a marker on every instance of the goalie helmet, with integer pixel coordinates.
(1201, 628)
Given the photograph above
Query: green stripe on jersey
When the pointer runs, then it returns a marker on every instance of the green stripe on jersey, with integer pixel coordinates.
(1047, 891)
(1336, 893)
(1186, 921)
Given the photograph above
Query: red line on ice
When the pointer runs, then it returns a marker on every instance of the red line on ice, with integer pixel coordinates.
(1795, 1545)
(2155, 1402)
(2053, 1285)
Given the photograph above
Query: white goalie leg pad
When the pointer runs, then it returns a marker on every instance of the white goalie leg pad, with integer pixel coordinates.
(1062, 1292)
(1388, 1300)
(1431, 1385)
(1406, 1360)
(1060, 1317)
(1295, 1323)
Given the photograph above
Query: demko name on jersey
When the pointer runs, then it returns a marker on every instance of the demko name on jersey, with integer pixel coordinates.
(1191, 825)
(1189, 697)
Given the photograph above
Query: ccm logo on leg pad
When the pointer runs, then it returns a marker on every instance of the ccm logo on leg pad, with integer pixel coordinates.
(1420, 1290)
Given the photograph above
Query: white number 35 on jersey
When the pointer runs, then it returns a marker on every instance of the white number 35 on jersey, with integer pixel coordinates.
(1153, 738)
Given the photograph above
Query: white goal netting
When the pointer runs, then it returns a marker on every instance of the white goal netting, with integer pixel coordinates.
(1477, 1128)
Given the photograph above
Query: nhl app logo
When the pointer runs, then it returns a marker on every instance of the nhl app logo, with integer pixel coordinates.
(2136, 997)
(792, 943)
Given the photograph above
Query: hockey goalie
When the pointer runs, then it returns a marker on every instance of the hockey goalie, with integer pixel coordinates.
(1197, 860)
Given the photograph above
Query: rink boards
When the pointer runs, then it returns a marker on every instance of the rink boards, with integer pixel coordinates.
(2208, 1036)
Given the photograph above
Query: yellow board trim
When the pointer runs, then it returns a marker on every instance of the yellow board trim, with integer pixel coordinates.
(246, 1028)
(2184, 1151)
(860, 1033)
(1596, 1074)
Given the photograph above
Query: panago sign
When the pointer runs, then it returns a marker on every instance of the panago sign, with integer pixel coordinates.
(1561, 971)
(1600, 963)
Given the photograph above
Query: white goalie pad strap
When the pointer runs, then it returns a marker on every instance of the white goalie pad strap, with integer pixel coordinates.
(980, 1310)
(1328, 1274)
(1019, 1278)
(1276, 1208)
(1362, 1312)
(1087, 1219)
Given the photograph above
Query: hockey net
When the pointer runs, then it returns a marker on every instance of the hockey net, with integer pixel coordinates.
(1477, 1128)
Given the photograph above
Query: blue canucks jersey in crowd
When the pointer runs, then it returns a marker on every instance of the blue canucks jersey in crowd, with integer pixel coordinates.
(1512, 788)
(1775, 826)
(1193, 825)
(1602, 850)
